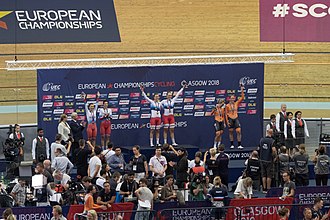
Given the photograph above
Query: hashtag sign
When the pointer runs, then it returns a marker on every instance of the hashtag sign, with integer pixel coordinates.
(281, 10)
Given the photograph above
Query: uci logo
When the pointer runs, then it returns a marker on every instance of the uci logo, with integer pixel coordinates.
(50, 87)
(247, 81)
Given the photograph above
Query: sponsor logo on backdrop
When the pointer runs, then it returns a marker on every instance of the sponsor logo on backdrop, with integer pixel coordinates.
(188, 107)
(124, 102)
(134, 94)
(47, 112)
(252, 104)
(112, 102)
(80, 103)
(210, 92)
(199, 100)
(91, 96)
(242, 105)
(125, 126)
(177, 107)
(187, 100)
(134, 109)
(199, 114)
(47, 104)
(80, 110)
(135, 116)
(145, 115)
(179, 100)
(113, 95)
(247, 81)
(252, 90)
(78, 96)
(58, 111)
(252, 97)
(69, 103)
(51, 87)
(124, 109)
(188, 114)
(126, 116)
(199, 92)
(114, 117)
(188, 93)
(251, 112)
(199, 107)
(124, 95)
(47, 97)
(68, 111)
(114, 109)
(220, 92)
(58, 96)
(209, 99)
(58, 104)
(69, 97)
(47, 119)
(143, 102)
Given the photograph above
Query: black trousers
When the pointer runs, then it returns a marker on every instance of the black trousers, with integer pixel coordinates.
(321, 178)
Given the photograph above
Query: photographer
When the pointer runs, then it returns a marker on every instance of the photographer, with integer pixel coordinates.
(321, 168)
(244, 189)
(40, 147)
(198, 189)
(57, 144)
(41, 170)
(61, 162)
(62, 179)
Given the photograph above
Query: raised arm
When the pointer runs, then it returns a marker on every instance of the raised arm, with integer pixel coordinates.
(178, 94)
(242, 95)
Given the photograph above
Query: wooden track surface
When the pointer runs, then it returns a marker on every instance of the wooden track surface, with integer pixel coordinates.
(183, 27)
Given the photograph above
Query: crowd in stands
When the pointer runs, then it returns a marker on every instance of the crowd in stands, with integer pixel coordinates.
(104, 177)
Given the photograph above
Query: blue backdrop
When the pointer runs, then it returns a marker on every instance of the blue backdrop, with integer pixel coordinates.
(59, 91)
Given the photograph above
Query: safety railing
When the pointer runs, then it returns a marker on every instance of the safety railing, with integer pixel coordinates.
(121, 215)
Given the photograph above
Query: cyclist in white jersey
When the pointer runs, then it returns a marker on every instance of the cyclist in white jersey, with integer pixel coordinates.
(105, 114)
(155, 117)
(168, 115)
(91, 111)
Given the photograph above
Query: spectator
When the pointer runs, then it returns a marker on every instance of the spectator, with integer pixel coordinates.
(218, 195)
(11, 217)
(197, 189)
(86, 181)
(244, 189)
(61, 178)
(106, 168)
(117, 162)
(89, 200)
(101, 180)
(299, 129)
(55, 145)
(253, 169)
(171, 155)
(167, 192)
(223, 161)
(181, 168)
(267, 150)
(77, 129)
(197, 162)
(317, 209)
(283, 163)
(139, 164)
(145, 200)
(82, 153)
(91, 215)
(40, 147)
(155, 189)
(129, 186)
(54, 197)
(208, 184)
(107, 195)
(41, 170)
(289, 187)
(158, 165)
(61, 162)
(6, 213)
(114, 180)
(301, 167)
(57, 213)
(18, 193)
(95, 164)
(108, 152)
(47, 166)
(63, 128)
(284, 213)
(321, 168)
(211, 164)
(308, 214)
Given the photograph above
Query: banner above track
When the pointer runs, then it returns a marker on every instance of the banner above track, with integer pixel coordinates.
(292, 21)
(61, 21)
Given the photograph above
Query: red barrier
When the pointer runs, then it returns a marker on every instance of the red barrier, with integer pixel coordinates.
(118, 207)
(257, 209)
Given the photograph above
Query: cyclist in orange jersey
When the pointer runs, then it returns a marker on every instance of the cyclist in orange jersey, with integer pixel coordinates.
(219, 121)
(232, 119)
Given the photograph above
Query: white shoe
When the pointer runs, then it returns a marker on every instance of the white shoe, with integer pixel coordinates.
(232, 147)
(174, 144)
(152, 145)
(240, 147)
